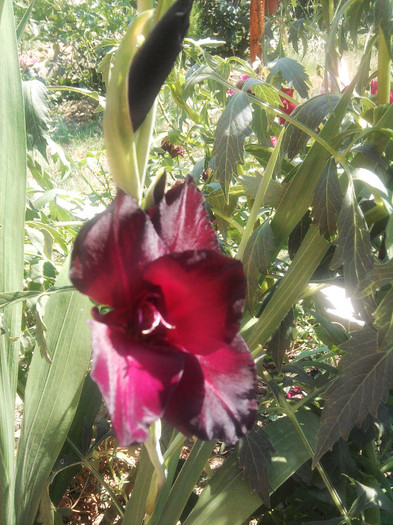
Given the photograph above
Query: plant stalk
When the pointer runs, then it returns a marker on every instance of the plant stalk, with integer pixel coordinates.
(384, 63)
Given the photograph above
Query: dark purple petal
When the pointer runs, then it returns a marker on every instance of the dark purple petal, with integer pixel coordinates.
(136, 380)
(203, 292)
(155, 59)
(111, 251)
(182, 221)
(215, 398)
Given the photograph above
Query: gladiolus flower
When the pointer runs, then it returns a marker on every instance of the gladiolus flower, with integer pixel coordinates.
(169, 345)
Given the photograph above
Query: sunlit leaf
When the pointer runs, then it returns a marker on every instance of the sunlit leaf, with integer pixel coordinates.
(37, 115)
(232, 129)
(292, 72)
(310, 113)
(327, 200)
(370, 497)
(255, 457)
(353, 245)
(12, 213)
(366, 375)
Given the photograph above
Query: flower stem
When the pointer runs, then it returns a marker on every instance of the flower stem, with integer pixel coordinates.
(383, 95)
(154, 450)
(287, 409)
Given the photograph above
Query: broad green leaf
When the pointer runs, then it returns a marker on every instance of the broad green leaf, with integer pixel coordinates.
(232, 129)
(383, 315)
(50, 409)
(257, 258)
(310, 113)
(255, 457)
(306, 261)
(353, 244)
(80, 435)
(281, 339)
(327, 200)
(291, 72)
(366, 375)
(37, 115)
(227, 499)
(12, 212)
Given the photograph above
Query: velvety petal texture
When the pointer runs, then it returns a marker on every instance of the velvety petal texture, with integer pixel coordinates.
(169, 346)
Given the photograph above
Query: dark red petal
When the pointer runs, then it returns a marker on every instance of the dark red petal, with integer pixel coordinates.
(215, 398)
(136, 380)
(182, 221)
(204, 294)
(111, 250)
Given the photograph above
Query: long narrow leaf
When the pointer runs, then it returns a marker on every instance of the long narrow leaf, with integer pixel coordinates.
(12, 208)
(228, 500)
(52, 396)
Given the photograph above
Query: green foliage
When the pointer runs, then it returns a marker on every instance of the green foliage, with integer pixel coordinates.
(226, 21)
(314, 210)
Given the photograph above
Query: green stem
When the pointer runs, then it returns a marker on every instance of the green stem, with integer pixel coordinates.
(232, 222)
(383, 95)
(287, 409)
(267, 176)
(86, 463)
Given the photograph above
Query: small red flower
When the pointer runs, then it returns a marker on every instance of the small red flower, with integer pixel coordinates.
(169, 345)
(288, 106)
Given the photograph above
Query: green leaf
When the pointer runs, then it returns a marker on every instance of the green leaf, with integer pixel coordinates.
(274, 192)
(263, 90)
(80, 435)
(263, 154)
(255, 451)
(292, 72)
(227, 498)
(12, 213)
(37, 115)
(232, 129)
(281, 339)
(184, 484)
(9, 298)
(306, 261)
(218, 202)
(310, 113)
(370, 497)
(257, 258)
(353, 244)
(327, 200)
(380, 275)
(366, 375)
(50, 409)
